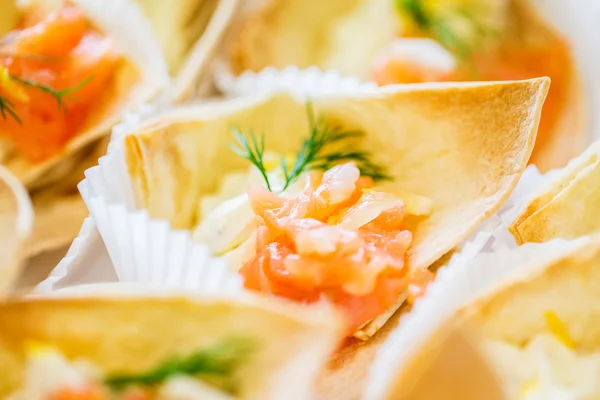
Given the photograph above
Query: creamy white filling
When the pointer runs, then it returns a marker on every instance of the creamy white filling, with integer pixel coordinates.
(232, 185)
(423, 54)
(48, 371)
(545, 369)
(186, 388)
(227, 217)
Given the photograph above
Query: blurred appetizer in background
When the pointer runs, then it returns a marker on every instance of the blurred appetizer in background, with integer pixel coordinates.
(68, 72)
(412, 41)
(535, 320)
(159, 345)
(66, 78)
(322, 220)
(566, 206)
(544, 322)
(16, 224)
(189, 32)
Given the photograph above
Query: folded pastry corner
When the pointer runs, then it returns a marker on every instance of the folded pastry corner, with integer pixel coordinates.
(16, 226)
(566, 206)
(189, 33)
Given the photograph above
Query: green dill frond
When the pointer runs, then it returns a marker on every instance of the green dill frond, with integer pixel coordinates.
(57, 94)
(252, 151)
(7, 108)
(324, 148)
(441, 26)
(221, 360)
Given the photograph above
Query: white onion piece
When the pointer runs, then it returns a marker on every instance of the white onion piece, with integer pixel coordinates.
(239, 256)
(419, 54)
(545, 369)
(227, 226)
(232, 185)
(186, 388)
(47, 372)
(369, 207)
(233, 221)
(416, 205)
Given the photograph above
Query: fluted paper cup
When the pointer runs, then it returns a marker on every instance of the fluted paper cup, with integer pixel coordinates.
(143, 249)
(86, 261)
(292, 79)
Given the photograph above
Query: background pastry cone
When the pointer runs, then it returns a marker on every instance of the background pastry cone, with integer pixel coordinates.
(392, 42)
(545, 321)
(16, 225)
(532, 311)
(453, 367)
(162, 42)
(140, 328)
(189, 32)
(138, 73)
(566, 206)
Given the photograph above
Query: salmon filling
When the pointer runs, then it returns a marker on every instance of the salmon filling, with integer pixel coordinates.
(339, 241)
(53, 70)
(512, 55)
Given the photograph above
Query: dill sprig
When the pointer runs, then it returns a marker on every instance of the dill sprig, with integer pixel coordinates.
(252, 152)
(323, 149)
(441, 26)
(57, 94)
(219, 361)
(312, 155)
(7, 107)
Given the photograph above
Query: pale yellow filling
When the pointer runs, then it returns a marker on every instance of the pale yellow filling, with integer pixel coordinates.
(548, 367)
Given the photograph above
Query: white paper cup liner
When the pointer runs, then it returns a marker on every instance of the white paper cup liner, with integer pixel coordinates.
(292, 79)
(143, 249)
(463, 282)
(86, 261)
